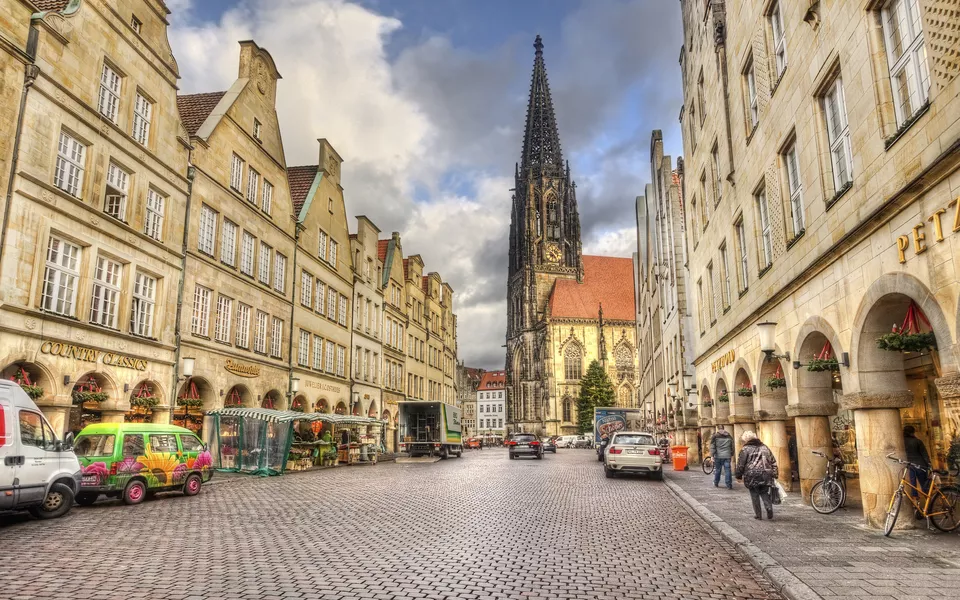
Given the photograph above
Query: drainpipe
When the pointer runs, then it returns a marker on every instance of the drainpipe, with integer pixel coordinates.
(191, 175)
(293, 304)
(30, 73)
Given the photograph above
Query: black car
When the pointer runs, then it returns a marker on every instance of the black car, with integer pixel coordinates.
(549, 445)
(524, 444)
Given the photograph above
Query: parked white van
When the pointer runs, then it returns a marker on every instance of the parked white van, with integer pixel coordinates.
(40, 473)
(566, 441)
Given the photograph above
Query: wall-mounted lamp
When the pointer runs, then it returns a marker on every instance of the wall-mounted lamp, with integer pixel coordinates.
(188, 367)
(126, 388)
(66, 380)
(768, 344)
(672, 390)
(294, 386)
(221, 392)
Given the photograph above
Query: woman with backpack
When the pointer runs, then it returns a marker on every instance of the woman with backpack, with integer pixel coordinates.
(757, 468)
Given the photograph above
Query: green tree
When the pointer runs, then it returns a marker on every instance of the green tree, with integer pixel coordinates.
(595, 390)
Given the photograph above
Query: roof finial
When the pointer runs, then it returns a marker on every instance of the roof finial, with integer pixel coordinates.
(538, 45)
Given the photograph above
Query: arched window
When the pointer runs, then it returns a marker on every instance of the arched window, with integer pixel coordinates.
(623, 356)
(572, 363)
(553, 219)
(567, 409)
(519, 365)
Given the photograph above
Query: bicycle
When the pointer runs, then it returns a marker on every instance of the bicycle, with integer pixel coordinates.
(830, 493)
(941, 505)
(707, 465)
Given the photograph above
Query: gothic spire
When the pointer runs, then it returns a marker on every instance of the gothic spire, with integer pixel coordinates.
(541, 140)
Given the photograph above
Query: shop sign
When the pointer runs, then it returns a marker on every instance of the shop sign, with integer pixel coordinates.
(324, 387)
(241, 369)
(918, 236)
(82, 353)
(726, 359)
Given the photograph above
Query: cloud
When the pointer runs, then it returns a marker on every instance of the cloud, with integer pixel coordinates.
(430, 135)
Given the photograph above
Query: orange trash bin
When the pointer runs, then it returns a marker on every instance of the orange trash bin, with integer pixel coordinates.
(679, 458)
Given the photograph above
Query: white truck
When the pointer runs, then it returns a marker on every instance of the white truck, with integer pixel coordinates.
(40, 473)
(430, 429)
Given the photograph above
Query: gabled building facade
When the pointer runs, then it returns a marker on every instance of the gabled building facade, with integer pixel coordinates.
(367, 331)
(390, 253)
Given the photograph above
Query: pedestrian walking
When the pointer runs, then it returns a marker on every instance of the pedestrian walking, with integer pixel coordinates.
(757, 468)
(721, 449)
(916, 455)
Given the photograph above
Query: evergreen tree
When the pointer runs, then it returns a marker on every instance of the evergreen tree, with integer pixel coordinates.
(595, 390)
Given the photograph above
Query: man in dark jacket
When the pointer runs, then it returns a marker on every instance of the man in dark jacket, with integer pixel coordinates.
(721, 449)
(757, 467)
(917, 455)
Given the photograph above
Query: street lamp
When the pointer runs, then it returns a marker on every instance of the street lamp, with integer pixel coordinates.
(768, 344)
(672, 389)
(188, 367)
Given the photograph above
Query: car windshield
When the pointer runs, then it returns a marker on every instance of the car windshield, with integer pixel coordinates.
(524, 438)
(633, 440)
(94, 445)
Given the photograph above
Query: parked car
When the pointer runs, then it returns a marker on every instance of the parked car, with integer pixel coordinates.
(583, 441)
(133, 460)
(524, 444)
(549, 445)
(39, 472)
(602, 448)
(473, 443)
(633, 452)
(566, 441)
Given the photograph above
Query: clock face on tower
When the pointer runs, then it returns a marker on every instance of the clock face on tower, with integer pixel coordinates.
(552, 253)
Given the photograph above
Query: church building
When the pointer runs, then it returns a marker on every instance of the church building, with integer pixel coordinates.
(564, 309)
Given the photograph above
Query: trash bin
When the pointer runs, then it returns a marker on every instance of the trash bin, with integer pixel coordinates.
(679, 458)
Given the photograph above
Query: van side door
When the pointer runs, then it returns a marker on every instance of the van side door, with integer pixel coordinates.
(10, 454)
(40, 458)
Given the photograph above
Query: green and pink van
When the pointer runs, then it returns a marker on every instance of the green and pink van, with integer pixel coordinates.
(134, 460)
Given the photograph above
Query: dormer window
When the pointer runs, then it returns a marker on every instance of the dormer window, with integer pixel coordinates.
(136, 23)
(257, 127)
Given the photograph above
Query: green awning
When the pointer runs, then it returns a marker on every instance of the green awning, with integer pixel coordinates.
(285, 416)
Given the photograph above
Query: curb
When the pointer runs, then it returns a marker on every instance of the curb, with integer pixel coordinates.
(782, 579)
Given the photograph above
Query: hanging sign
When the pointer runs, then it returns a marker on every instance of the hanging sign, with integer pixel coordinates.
(241, 369)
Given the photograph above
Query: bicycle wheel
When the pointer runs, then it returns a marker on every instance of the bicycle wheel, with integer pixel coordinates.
(893, 512)
(948, 503)
(826, 496)
(707, 465)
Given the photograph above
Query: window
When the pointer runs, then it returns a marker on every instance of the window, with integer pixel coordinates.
(753, 113)
(190, 443)
(109, 101)
(266, 199)
(265, 263)
(207, 232)
(322, 252)
(260, 335)
(717, 182)
(34, 431)
(221, 329)
(60, 277)
(320, 300)
(341, 354)
(701, 98)
(93, 445)
(329, 357)
(236, 172)
(779, 39)
(253, 184)
(115, 200)
(793, 186)
(332, 305)
(199, 325)
(163, 443)
(136, 24)
(303, 350)
(693, 126)
(343, 311)
(703, 194)
(153, 221)
(276, 340)
(333, 252)
(133, 445)
(279, 272)
(701, 306)
(306, 289)
(106, 292)
(766, 247)
(695, 221)
(725, 276)
(142, 111)
(317, 353)
(142, 307)
(228, 243)
(246, 254)
(573, 363)
(69, 172)
(838, 134)
(906, 57)
(742, 273)
(243, 326)
(711, 295)
(257, 130)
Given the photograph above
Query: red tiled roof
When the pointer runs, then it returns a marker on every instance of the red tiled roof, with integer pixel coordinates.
(606, 279)
(195, 108)
(382, 246)
(45, 5)
(300, 180)
(493, 380)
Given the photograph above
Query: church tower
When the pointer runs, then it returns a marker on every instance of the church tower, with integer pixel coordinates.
(544, 247)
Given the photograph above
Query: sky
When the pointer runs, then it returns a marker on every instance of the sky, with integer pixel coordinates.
(425, 101)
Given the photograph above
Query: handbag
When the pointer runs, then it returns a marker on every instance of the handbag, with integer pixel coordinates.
(777, 493)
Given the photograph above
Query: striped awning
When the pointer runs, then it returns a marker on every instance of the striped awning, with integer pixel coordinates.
(285, 416)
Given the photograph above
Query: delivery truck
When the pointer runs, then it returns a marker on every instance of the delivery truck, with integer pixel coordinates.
(609, 419)
(430, 429)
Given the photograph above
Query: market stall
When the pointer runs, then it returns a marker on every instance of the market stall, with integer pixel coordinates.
(268, 442)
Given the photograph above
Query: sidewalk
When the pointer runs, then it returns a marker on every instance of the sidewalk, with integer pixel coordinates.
(807, 554)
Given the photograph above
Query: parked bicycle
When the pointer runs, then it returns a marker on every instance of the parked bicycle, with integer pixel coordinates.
(707, 465)
(830, 493)
(940, 505)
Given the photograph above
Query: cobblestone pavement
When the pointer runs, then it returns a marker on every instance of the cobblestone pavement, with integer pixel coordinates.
(478, 527)
(836, 555)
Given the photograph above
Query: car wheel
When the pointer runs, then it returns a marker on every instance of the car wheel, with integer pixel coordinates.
(512, 456)
(135, 492)
(86, 499)
(191, 487)
(657, 475)
(609, 473)
(56, 503)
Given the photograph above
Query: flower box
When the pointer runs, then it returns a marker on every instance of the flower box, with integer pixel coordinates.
(84, 397)
(907, 342)
(776, 382)
(819, 365)
(723, 399)
(145, 401)
(744, 392)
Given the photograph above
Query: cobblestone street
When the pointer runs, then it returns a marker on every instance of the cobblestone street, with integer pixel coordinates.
(478, 527)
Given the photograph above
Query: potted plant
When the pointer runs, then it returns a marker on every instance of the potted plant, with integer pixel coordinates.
(908, 337)
(723, 398)
(744, 392)
(825, 361)
(22, 378)
(145, 401)
(707, 403)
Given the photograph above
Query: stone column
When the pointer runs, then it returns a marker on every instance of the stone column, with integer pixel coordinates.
(773, 433)
(879, 433)
(741, 423)
(57, 413)
(690, 441)
(813, 434)
(706, 434)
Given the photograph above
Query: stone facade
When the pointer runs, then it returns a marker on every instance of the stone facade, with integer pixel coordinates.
(390, 253)
(467, 381)
(367, 331)
(837, 191)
